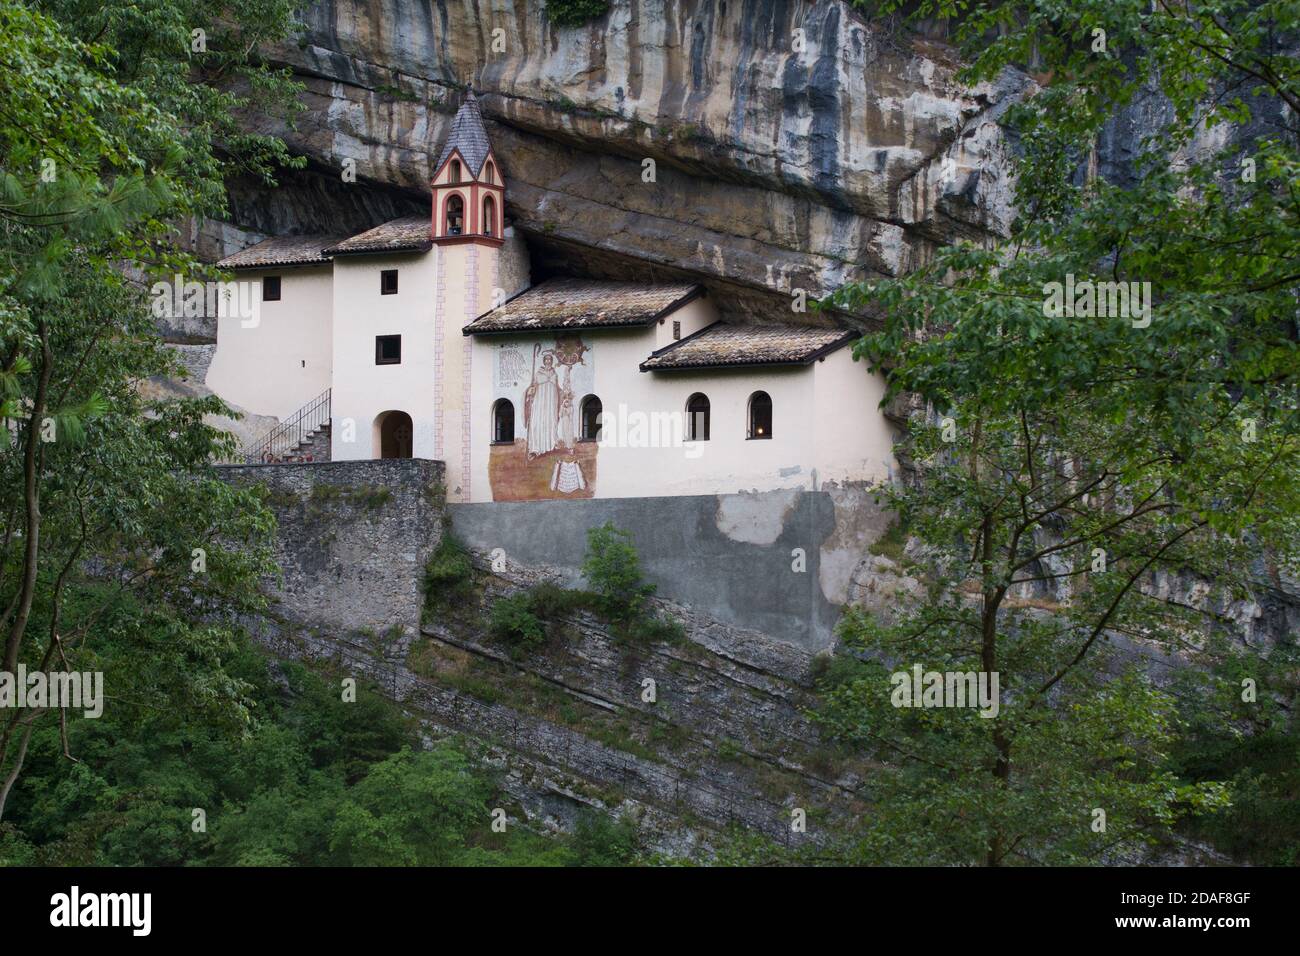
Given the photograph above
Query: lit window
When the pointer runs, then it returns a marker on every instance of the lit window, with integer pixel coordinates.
(760, 415)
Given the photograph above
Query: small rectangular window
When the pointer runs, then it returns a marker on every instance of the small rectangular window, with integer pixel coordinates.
(677, 330)
(388, 282)
(388, 349)
(270, 288)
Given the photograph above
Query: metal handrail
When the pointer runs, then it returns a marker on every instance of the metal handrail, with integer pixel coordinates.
(290, 433)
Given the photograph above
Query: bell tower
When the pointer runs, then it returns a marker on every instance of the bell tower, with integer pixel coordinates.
(468, 231)
(468, 192)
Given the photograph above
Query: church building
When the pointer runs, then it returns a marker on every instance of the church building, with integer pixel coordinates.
(424, 337)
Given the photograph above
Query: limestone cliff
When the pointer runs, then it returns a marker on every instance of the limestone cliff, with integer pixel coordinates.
(797, 145)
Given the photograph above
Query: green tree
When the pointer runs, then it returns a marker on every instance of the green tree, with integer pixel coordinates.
(414, 809)
(115, 127)
(1079, 470)
(612, 568)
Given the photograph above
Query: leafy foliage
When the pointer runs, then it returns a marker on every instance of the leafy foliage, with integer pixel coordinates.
(292, 776)
(572, 13)
(107, 141)
(448, 575)
(513, 620)
(1078, 474)
(612, 568)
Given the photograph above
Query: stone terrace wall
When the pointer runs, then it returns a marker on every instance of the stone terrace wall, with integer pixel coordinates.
(354, 537)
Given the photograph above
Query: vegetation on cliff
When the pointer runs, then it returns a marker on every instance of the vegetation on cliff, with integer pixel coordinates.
(286, 773)
(1112, 454)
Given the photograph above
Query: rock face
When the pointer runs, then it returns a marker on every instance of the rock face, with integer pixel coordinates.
(724, 738)
(794, 145)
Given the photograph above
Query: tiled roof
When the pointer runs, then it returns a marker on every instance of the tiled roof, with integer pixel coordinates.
(399, 235)
(468, 136)
(720, 345)
(281, 251)
(583, 304)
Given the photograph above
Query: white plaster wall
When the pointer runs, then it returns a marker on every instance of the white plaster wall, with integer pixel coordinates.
(852, 443)
(362, 389)
(693, 316)
(854, 440)
(283, 360)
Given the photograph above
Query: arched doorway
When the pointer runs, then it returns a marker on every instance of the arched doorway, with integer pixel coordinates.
(394, 433)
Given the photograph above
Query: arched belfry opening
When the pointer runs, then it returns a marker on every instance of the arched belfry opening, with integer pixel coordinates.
(394, 435)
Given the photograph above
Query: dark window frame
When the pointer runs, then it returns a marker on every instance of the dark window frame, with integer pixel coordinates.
(497, 407)
(380, 358)
(691, 432)
(278, 286)
(384, 275)
(586, 434)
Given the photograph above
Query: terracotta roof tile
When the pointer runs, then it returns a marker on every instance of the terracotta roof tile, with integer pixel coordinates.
(720, 345)
(281, 251)
(583, 304)
(398, 235)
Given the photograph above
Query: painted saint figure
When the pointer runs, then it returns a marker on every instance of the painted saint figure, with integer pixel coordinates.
(542, 407)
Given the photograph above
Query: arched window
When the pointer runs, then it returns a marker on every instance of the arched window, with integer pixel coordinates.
(503, 422)
(591, 415)
(453, 175)
(489, 173)
(760, 415)
(697, 417)
(455, 215)
(489, 216)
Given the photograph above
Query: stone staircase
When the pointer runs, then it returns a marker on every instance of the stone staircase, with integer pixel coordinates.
(315, 447)
(303, 437)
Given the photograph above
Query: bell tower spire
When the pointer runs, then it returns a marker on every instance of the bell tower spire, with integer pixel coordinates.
(468, 192)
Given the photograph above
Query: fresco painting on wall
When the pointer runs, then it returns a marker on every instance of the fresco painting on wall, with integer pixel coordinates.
(546, 382)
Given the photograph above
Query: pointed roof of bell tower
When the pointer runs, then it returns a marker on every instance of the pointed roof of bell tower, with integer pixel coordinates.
(467, 137)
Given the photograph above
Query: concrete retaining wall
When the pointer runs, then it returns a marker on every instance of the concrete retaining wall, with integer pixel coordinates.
(780, 562)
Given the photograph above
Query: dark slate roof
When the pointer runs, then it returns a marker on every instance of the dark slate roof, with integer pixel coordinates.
(281, 251)
(584, 304)
(721, 345)
(410, 233)
(467, 136)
